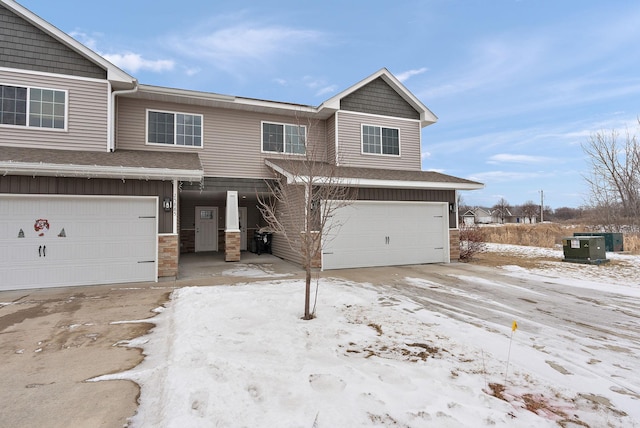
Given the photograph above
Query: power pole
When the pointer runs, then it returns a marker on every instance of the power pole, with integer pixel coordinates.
(542, 206)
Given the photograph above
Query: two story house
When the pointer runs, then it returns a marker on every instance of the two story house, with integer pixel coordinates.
(106, 180)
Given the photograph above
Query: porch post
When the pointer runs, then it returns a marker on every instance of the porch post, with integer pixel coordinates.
(232, 228)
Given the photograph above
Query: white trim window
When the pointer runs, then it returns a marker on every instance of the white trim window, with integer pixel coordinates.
(33, 107)
(284, 138)
(173, 128)
(380, 140)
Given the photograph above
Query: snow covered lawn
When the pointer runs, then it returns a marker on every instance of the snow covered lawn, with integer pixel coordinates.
(240, 356)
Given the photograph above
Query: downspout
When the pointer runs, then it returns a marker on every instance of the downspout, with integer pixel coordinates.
(111, 120)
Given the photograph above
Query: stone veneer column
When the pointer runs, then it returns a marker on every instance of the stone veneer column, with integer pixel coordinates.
(454, 244)
(232, 246)
(168, 255)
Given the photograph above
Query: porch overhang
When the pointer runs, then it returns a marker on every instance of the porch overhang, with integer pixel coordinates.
(299, 172)
(122, 164)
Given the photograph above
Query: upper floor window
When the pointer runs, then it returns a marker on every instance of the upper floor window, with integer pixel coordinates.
(33, 107)
(180, 129)
(283, 138)
(380, 140)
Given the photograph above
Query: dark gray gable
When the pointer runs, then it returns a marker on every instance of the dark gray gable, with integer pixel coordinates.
(378, 97)
(24, 46)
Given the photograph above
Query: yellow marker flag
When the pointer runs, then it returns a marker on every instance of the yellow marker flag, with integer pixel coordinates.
(514, 326)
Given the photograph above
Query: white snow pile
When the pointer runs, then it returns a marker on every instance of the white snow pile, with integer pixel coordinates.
(240, 356)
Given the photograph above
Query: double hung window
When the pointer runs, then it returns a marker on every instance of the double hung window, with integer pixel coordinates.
(380, 140)
(283, 138)
(33, 107)
(179, 129)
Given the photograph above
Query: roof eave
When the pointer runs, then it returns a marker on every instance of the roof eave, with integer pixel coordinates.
(98, 171)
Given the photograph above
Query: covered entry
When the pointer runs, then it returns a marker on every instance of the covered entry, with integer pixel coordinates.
(56, 240)
(384, 233)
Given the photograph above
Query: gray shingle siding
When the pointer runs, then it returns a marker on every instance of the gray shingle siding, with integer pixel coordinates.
(379, 98)
(24, 46)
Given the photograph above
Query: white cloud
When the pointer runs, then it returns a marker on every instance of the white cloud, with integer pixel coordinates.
(511, 158)
(327, 90)
(229, 47)
(505, 176)
(406, 75)
(129, 61)
(134, 62)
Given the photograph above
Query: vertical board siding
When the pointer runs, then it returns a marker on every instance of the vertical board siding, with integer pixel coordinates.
(424, 195)
(86, 118)
(350, 142)
(232, 139)
(25, 46)
(96, 186)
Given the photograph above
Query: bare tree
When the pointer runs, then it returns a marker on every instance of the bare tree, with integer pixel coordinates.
(304, 194)
(502, 209)
(530, 210)
(614, 180)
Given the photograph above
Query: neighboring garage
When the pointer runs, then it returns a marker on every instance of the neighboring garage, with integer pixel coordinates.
(384, 233)
(65, 240)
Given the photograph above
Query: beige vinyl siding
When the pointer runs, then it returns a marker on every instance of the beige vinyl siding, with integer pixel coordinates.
(292, 216)
(87, 113)
(232, 139)
(350, 142)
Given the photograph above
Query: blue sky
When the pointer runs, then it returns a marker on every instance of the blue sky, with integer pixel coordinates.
(517, 85)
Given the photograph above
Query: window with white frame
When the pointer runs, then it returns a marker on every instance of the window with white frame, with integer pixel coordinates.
(179, 129)
(283, 138)
(33, 107)
(380, 140)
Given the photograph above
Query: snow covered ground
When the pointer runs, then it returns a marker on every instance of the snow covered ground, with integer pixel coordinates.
(431, 350)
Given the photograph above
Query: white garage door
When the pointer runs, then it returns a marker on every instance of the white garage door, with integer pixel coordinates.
(49, 241)
(382, 233)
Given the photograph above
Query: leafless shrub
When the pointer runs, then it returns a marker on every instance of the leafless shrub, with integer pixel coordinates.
(472, 241)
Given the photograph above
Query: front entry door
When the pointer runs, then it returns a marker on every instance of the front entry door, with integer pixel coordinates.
(206, 229)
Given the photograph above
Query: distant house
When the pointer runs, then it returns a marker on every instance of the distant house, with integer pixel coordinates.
(501, 215)
(477, 215)
(519, 217)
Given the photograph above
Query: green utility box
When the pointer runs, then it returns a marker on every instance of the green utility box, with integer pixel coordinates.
(584, 249)
(612, 241)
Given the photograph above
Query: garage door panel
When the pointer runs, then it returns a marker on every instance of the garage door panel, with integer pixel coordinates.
(90, 240)
(372, 233)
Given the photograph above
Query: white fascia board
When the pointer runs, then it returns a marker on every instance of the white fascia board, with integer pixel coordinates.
(98, 171)
(395, 184)
(184, 93)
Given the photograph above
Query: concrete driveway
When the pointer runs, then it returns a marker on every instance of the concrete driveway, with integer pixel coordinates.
(52, 341)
